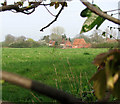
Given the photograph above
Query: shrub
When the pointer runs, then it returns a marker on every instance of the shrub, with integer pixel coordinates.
(106, 45)
(25, 44)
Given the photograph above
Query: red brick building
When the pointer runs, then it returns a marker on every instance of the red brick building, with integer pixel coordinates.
(68, 44)
(80, 43)
(52, 43)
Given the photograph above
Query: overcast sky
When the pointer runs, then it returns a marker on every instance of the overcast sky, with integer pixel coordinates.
(19, 24)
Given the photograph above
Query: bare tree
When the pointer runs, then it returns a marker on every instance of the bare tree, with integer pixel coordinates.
(20, 39)
(9, 39)
(58, 30)
(56, 37)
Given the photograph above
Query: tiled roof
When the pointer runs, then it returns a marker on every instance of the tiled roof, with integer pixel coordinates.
(68, 43)
(79, 41)
(52, 42)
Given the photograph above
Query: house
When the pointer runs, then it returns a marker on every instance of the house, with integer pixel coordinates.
(62, 44)
(80, 43)
(52, 43)
(66, 44)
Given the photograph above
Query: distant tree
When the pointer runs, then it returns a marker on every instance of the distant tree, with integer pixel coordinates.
(70, 39)
(58, 30)
(42, 42)
(20, 39)
(9, 39)
(56, 37)
(86, 38)
(64, 37)
(43, 38)
(96, 37)
(30, 40)
(46, 38)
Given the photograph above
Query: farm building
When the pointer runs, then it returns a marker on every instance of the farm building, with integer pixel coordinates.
(62, 44)
(66, 44)
(52, 43)
(80, 43)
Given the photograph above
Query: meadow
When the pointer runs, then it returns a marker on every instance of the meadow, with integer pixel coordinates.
(66, 69)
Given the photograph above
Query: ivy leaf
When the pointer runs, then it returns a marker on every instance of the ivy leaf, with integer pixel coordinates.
(103, 33)
(92, 20)
(111, 36)
(99, 84)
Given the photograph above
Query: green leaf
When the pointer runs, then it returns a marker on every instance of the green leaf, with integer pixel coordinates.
(103, 33)
(91, 21)
(85, 13)
(65, 4)
(52, 3)
(111, 36)
(99, 86)
(56, 5)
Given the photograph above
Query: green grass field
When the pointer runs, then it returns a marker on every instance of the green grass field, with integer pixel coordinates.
(66, 69)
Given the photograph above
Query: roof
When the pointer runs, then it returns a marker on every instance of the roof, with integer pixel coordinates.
(52, 42)
(68, 43)
(63, 41)
(79, 41)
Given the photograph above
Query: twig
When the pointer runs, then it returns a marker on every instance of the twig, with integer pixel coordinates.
(70, 81)
(49, 11)
(56, 76)
(18, 9)
(81, 85)
(33, 101)
(56, 17)
(72, 75)
(88, 81)
(35, 97)
(59, 95)
(115, 14)
(112, 10)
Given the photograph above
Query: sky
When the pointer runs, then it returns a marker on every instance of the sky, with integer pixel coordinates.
(19, 24)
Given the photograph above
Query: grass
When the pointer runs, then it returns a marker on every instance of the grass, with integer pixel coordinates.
(66, 69)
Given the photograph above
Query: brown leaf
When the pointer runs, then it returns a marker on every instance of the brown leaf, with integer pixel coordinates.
(99, 85)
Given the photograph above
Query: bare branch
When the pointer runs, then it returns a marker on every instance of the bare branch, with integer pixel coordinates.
(56, 17)
(100, 13)
(49, 11)
(18, 9)
(112, 10)
(40, 88)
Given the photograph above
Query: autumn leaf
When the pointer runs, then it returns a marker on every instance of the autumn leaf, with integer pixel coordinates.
(103, 33)
(107, 77)
(116, 90)
(99, 84)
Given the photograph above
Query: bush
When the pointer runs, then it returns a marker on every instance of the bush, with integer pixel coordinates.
(106, 45)
(24, 44)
